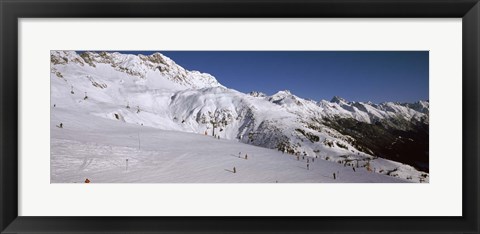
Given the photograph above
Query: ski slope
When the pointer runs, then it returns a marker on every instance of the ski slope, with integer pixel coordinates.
(97, 149)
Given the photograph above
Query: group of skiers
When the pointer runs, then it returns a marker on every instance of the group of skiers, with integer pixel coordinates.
(240, 156)
(334, 174)
(308, 160)
(215, 135)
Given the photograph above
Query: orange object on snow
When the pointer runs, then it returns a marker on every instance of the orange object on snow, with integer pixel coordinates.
(87, 181)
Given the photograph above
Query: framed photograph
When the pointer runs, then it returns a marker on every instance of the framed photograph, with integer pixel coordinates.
(227, 116)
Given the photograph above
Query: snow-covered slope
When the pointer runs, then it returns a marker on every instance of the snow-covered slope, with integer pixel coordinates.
(98, 149)
(156, 66)
(153, 92)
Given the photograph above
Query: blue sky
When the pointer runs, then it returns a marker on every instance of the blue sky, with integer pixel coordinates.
(375, 76)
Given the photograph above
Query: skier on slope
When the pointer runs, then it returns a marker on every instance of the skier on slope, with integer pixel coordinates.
(234, 170)
(246, 156)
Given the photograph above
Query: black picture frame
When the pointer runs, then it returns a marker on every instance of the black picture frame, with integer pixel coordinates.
(11, 11)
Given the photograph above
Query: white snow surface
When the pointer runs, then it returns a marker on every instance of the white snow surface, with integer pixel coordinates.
(108, 101)
(98, 149)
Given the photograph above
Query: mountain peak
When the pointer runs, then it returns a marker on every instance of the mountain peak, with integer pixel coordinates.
(257, 94)
(139, 66)
(283, 93)
(339, 100)
(157, 58)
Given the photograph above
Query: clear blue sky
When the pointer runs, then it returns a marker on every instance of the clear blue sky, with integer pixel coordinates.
(375, 76)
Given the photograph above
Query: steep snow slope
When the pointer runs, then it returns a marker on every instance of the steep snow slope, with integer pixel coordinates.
(156, 67)
(153, 91)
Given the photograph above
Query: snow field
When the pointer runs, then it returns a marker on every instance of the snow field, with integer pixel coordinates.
(97, 149)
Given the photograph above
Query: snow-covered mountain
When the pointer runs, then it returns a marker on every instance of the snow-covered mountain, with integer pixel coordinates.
(154, 91)
(138, 66)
